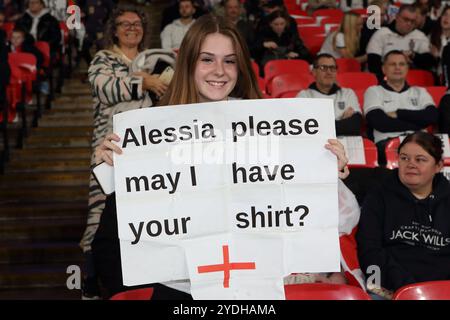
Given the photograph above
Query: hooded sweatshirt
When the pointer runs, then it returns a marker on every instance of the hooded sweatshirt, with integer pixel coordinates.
(406, 237)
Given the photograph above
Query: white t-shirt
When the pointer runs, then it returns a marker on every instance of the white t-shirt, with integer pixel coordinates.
(378, 97)
(385, 40)
(343, 98)
(173, 34)
(327, 46)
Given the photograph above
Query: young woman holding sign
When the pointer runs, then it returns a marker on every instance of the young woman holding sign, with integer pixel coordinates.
(213, 65)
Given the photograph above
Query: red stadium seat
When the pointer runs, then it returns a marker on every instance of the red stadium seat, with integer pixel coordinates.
(304, 21)
(391, 151)
(44, 48)
(422, 78)
(324, 291)
(436, 92)
(308, 31)
(331, 20)
(290, 82)
(370, 153)
(430, 290)
(356, 80)
(328, 13)
(348, 65)
(277, 67)
(136, 294)
(360, 94)
(289, 94)
(314, 42)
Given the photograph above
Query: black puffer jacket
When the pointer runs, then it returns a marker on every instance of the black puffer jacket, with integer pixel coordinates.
(409, 239)
(47, 30)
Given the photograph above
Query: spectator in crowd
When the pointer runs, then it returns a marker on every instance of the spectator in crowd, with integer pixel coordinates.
(233, 12)
(173, 33)
(11, 11)
(348, 5)
(440, 37)
(172, 12)
(444, 114)
(346, 106)
(4, 66)
(111, 85)
(267, 8)
(344, 43)
(436, 9)
(423, 21)
(314, 5)
(213, 50)
(57, 8)
(277, 42)
(368, 30)
(393, 108)
(41, 25)
(22, 41)
(400, 35)
(404, 228)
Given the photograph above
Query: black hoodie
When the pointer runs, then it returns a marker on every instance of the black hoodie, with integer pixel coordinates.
(409, 239)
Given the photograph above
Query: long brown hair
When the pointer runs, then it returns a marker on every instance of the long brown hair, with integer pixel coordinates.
(110, 38)
(350, 31)
(436, 33)
(182, 89)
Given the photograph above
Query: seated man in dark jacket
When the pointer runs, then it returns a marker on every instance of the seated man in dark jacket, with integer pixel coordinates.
(41, 25)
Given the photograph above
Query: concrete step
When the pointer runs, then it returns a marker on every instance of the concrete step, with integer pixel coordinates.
(44, 179)
(73, 121)
(12, 252)
(35, 141)
(38, 154)
(33, 276)
(55, 230)
(52, 165)
(62, 132)
(51, 210)
(44, 193)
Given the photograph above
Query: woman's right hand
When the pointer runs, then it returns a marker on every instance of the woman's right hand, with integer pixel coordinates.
(152, 83)
(270, 45)
(104, 152)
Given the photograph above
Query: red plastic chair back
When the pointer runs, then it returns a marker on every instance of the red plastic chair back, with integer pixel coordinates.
(356, 80)
(289, 94)
(44, 48)
(430, 290)
(8, 27)
(422, 78)
(314, 43)
(137, 294)
(348, 65)
(437, 92)
(290, 82)
(391, 151)
(282, 66)
(328, 13)
(331, 20)
(308, 31)
(370, 153)
(324, 291)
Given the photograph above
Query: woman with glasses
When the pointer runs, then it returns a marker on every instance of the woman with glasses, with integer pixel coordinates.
(112, 85)
(404, 231)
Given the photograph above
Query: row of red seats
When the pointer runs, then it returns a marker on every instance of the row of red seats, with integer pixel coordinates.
(431, 290)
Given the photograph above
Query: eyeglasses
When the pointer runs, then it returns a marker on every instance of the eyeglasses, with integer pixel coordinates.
(407, 20)
(325, 68)
(128, 25)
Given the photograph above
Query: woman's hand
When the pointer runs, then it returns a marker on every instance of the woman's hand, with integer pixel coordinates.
(338, 150)
(292, 55)
(104, 152)
(270, 45)
(152, 83)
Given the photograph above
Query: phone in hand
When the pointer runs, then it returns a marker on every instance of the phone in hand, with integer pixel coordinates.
(104, 174)
(166, 75)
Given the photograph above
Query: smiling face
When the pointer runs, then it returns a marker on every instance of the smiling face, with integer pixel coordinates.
(216, 70)
(416, 168)
(129, 30)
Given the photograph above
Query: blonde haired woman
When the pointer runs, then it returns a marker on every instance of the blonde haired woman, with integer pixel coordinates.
(344, 43)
